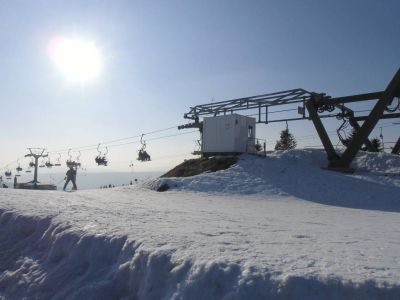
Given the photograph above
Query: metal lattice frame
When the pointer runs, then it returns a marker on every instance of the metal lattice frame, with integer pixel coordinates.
(253, 102)
(370, 121)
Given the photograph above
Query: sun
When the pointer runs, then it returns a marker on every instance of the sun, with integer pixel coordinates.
(78, 59)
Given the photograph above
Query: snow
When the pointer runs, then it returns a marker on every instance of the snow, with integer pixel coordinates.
(300, 173)
(279, 227)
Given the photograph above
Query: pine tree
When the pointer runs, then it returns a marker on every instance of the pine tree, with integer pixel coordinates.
(376, 142)
(258, 146)
(286, 142)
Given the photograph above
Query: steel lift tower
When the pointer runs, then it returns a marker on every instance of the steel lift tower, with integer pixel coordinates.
(318, 106)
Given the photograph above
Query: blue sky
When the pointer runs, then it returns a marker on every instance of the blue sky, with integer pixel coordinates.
(161, 57)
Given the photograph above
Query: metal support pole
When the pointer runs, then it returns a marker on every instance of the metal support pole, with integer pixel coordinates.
(396, 148)
(36, 170)
(369, 124)
(385, 116)
(326, 142)
(265, 148)
(36, 156)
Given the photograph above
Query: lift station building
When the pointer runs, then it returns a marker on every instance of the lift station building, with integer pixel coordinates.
(228, 134)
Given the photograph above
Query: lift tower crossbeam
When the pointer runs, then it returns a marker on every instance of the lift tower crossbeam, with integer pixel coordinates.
(246, 103)
(36, 156)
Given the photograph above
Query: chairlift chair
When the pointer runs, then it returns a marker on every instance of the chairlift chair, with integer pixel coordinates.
(31, 165)
(42, 164)
(78, 157)
(8, 174)
(197, 148)
(48, 163)
(19, 169)
(72, 163)
(78, 160)
(143, 155)
(101, 158)
(58, 163)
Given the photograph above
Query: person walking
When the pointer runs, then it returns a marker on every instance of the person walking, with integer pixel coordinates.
(70, 176)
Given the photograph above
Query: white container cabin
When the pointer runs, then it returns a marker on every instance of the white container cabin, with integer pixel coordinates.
(228, 134)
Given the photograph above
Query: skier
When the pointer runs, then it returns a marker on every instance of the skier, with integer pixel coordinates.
(70, 176)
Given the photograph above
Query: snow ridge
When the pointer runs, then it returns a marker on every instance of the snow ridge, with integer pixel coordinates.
(254, 231)
(301, 173)
(40, 259)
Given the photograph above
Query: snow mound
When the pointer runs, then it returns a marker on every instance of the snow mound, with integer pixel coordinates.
(43, 259)
(301, 173)
(258, 230)
(381, 162)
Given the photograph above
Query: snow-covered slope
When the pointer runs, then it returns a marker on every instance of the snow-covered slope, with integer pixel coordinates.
(260, 230)
(300, 173)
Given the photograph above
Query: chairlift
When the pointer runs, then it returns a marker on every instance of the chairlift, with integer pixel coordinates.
(143, 155)
(8, 174)
(58, 163)
(43, 164)
(19, 169)
(48, 163)
(70, 162)
(78, 158)
(197, 148)
(101, 158)
(31, 165)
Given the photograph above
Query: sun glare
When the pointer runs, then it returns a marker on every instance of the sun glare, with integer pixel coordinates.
(79, 60)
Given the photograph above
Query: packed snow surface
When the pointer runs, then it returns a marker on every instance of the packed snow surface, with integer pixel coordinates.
(279, 227)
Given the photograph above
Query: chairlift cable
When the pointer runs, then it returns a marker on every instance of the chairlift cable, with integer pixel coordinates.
(94, 146)
(111, 141)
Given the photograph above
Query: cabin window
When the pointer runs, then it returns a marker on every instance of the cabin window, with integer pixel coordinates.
(250, 132)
